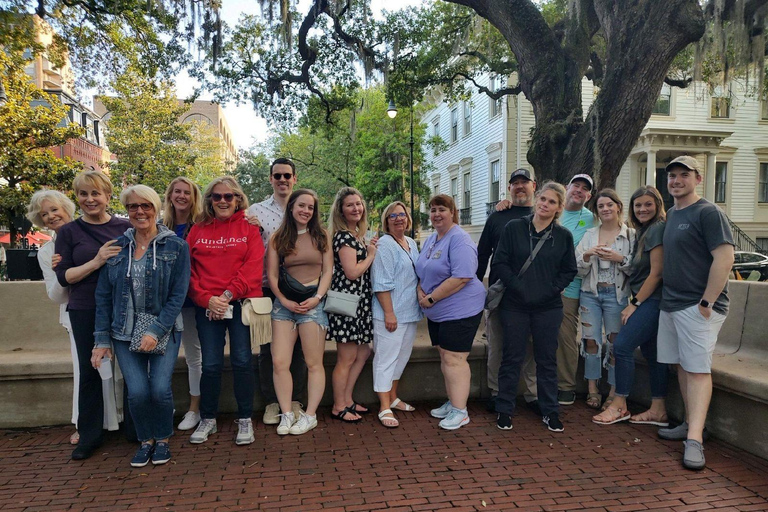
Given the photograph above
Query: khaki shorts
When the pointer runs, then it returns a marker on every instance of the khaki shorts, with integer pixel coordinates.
(688, 339)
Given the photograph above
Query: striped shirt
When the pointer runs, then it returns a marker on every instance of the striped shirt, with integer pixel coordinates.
(393, 271)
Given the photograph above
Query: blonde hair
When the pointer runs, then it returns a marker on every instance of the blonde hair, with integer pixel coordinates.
(337, 222)
(195, 206)
(447, 202)
(52, 196)
(143, 192)
(559, 191)
(385, 214)
(96, 179)
(234, 186)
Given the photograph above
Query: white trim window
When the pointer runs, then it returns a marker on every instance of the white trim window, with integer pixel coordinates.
(455, 190)
(762, 187)
(720, 107)
(467, 118)
(495, 178)
(454, 124)
(663, 106)
(721, 181)
(465, 190)
(495, 84)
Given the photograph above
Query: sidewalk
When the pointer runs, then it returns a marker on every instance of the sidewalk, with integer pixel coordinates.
(368, 467)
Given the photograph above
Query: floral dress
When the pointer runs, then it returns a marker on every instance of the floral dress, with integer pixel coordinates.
(341, 328)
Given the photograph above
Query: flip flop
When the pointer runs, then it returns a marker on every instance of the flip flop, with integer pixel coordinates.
(340, 415)
(354, 408)
(594, 400)
(615, 416)
(405, 407)
(387, 414)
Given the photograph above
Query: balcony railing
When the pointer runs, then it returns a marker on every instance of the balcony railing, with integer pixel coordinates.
(490, 208)
(465, 216)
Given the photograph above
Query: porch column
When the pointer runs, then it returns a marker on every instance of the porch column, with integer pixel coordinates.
(650, 170)
(709, 177)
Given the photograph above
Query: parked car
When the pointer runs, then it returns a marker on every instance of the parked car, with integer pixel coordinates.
(745, 263)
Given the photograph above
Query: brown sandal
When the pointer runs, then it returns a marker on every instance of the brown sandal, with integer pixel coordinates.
(594, 400)
(610, 416)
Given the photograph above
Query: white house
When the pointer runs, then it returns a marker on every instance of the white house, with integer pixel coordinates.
(727, 130)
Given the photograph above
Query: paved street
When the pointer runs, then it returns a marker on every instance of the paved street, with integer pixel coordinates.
(367, 467)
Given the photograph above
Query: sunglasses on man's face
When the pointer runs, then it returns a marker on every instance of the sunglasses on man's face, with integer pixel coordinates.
(228, 197)
(134, 207)
(284, 176)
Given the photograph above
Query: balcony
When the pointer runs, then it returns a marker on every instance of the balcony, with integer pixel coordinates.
(490, 208)
(465, 216)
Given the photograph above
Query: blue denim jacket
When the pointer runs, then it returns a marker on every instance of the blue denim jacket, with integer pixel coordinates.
(167, 273)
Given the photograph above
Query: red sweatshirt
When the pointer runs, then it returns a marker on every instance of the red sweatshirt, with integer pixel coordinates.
(225, 255)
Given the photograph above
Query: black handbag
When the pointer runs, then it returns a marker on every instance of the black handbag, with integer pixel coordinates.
(291, 288)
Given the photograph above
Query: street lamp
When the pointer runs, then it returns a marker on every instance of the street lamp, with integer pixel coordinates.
(392, 113)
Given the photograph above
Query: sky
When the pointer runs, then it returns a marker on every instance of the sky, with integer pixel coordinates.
(246, 126)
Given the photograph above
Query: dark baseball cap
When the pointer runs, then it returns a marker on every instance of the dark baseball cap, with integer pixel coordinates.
(525, 173)
(584, 177)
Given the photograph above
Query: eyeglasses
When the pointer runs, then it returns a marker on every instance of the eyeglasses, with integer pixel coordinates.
(285, 176)
(228, 197)
(134, 207)
(395, 216)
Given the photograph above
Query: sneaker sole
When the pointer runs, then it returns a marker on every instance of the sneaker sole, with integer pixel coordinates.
(567, 402)
(300, 433)
(201, 441)
(160, 462)
(504, 428)
(555, 429)
(139, 464)
(656, 423)
(465, 421)
(246, 441)
(694, 466)
(270, 421)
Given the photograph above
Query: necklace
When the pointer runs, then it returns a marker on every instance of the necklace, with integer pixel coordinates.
(301, 231)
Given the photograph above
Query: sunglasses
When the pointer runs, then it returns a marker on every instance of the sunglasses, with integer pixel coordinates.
(284, 176)
(228, 197)
(134, 207)
(395, 216)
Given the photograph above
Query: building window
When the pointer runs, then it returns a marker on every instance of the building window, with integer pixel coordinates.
(455, 190)
(762, 189)
(663, 104)
(495, 177)
(454, 124)
(496, 83)
(762, 243)
(764, 109)
(436, 128)
(467, 118)
(467, 183)
(721, 103)
(721, 181)
(436, 190)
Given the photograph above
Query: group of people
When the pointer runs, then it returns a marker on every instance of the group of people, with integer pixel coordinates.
(127, 288)
(658, 282)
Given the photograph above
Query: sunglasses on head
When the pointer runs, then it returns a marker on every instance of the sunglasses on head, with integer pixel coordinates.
(134, 207)
(228, 197)
(285, 176)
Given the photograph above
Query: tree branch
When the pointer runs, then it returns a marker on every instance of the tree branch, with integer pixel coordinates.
(681, 83)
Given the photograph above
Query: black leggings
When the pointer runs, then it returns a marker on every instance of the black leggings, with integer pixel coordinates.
(90, 399)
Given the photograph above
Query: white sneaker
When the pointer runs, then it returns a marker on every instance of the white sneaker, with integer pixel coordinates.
(297, 409)
(204, 429)
(456, 419)
(443, 411)
(286, 422)
(189, 421)
(272, 414)
(244, 431)
(304, 425)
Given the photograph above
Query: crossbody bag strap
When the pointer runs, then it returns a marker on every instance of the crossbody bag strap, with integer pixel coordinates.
(533, 254)
(405, 250)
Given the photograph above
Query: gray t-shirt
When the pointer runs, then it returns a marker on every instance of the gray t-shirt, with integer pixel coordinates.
(138, 274)
(641, 262)
(690, 236)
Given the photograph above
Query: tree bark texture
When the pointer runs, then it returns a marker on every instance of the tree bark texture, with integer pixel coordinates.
(642, 38)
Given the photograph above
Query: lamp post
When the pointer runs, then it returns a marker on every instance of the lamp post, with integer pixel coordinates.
(392, 113)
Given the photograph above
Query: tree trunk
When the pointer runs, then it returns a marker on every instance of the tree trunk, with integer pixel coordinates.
(642, 37)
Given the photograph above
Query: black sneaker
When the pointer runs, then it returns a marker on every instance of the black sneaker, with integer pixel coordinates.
(533, 405)
(553, 422)
(490, 405)
(566, 397)
(504, 421)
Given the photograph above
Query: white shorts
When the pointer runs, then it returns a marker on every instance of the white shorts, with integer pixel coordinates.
(688, 339)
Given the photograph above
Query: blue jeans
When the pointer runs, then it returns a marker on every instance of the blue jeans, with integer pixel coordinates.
(518, 326)
(640, 331)
(148, 378)
(598, 311)
(212, 340)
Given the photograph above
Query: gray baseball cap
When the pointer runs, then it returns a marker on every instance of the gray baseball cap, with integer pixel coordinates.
(686, 161)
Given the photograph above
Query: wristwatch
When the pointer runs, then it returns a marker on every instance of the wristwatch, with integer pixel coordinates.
(635, 302)
(319, 297)
(430, 299)
(228, 294)
(706, 304)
